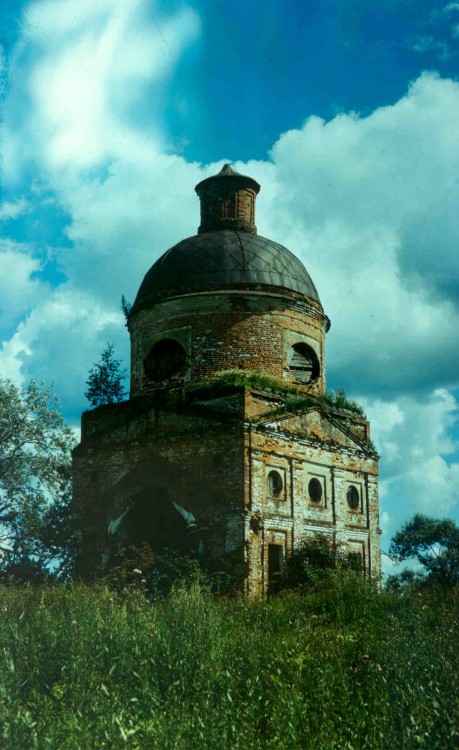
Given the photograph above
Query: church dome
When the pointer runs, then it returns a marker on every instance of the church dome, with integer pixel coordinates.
(228, 259)
(226, 254)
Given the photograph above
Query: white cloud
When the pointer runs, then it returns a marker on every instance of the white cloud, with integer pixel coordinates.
(91, 64)
(418, 465)
(369, 204)
(58, 343)
(430, 43)
(13, 209)
(450, 7)
(19, 290)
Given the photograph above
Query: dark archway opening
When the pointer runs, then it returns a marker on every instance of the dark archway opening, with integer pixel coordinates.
(166, 359)
(162, 523)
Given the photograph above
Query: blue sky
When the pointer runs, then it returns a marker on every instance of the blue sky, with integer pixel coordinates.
(346, 112)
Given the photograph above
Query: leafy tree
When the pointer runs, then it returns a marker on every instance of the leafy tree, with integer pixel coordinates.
(434, 544)
(105, 379)
(35, 473)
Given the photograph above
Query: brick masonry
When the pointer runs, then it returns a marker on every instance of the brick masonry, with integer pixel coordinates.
(222, 331)
(225, 471)
(212, 456)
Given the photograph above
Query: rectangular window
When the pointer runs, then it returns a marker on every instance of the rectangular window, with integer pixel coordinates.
(275, 567)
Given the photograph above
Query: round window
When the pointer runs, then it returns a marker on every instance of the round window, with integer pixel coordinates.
(165, 359)
(315, 490)
(303, 363)
(353, 497)
(275, 483)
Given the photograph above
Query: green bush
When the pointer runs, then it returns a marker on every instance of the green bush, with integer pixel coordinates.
(155, 574)
(315, 559)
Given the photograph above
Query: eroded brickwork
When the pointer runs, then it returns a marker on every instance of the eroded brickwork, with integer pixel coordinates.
(227, 201)
(193, 457)
(239, 474)
(337, 462)
(213, 457)
(230, 331)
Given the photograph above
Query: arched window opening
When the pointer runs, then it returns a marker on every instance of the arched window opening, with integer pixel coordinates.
(303, 363)
(166, 359)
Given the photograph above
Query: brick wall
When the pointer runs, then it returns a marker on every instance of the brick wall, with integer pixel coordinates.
(292, 516)
(229, 331)
(214, 460)
(184, 456)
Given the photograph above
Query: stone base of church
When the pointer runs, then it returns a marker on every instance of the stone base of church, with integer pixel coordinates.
(227, 473)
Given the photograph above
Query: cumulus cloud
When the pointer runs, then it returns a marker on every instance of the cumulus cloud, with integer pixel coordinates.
(71, 120)
(419, 467)
(82, 70)
(368, 203)
(69, 325)
(20, 291)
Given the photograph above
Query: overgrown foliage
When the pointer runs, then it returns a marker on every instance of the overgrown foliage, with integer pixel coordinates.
(105, 380)
(35, 477)
(345, 667)
(249, 378)
(315, 559)
(154, 574)
(333, 400)
(126, 307)
(295, 400)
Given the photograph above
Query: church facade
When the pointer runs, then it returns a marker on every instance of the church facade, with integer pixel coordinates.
(227, 444)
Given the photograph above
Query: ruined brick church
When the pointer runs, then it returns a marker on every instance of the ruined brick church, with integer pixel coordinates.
(225, 446)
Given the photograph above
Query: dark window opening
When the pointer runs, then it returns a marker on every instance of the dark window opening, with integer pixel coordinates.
(315, 490)
(303, 363)
(165, 359)
(275, 483)
(275, 568)
(356, 560)
(353, 497)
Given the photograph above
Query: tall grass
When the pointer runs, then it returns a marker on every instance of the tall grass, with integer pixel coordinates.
(342, 668)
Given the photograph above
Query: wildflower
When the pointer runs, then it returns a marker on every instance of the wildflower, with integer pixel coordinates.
(379, 667)
(137, 571)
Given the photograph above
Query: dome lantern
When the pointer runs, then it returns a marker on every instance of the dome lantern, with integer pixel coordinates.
(227, 201)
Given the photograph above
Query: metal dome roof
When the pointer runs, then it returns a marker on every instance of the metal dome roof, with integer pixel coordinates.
(224, 260)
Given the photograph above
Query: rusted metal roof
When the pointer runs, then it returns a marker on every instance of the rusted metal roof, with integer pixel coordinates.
(224, 260)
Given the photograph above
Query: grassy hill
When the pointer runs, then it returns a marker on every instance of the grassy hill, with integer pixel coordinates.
(343, 667)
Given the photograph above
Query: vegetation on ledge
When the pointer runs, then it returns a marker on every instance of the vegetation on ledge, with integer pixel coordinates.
(295, 400)
(333, 401)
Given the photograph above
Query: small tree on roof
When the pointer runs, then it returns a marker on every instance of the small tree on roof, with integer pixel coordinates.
(105, 380)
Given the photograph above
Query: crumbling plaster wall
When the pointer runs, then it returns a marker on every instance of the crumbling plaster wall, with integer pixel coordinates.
(292, 516)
